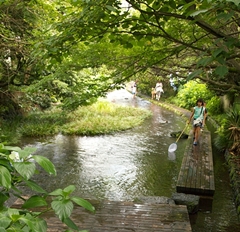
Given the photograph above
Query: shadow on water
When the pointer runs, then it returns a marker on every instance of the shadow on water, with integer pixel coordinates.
(132, 163)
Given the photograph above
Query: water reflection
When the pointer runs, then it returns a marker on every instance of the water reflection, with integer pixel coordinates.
(171, 155)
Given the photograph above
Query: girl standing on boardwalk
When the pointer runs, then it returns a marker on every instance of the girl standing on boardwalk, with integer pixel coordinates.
(199, 116)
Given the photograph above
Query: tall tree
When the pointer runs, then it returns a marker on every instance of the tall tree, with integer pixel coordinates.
(20, 67)
(199, 39)
(60, 48)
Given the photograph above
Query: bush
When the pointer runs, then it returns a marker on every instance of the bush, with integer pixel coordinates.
(190, 92)
(214, 106)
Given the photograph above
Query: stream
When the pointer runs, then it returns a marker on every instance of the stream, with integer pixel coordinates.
(134, 163)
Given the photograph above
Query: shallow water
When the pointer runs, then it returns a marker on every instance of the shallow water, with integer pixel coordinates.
(133, 163)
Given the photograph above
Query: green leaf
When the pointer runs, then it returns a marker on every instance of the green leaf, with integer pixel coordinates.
(34, 224)
(3, 198)
(194, 74)
(26, 152)
(236, 2)
(34, 186)
(84, 203)
(25, 169)
(11, 211)
(34, 201)
(57, 192)
(221, 70)
(45, 163)
(204, 61)
(225, 16)
(110, 8)
(62, 208)
(172, 3)
(68, 190)
(186, 7)
(220, 60)
(5, 221)
(5, 177)
(40, 225)
(70, 224)
(217, 52)
(10, 148)
(15, 217)
(6, 163)
(28, 220)
(195, 13)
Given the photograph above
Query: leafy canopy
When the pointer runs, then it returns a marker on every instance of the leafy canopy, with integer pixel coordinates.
(199, 39)
(76, 51)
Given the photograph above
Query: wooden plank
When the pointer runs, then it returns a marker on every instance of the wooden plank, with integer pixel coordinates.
(209, 171)
(183, 174)
(125, 216)
(199, 165)
(196, 174)
(195, 169)
(204, 178)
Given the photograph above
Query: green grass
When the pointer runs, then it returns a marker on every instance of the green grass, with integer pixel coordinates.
(103, 118)
(100, 118)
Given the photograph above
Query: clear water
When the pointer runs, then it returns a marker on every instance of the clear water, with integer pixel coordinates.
(134, 163)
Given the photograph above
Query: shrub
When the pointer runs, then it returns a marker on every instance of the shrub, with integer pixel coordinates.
(190, 92)
(214, 106)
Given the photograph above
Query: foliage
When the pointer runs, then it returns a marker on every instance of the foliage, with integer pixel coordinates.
(214, 106)
(228, 134)
(191, 91)
(42, 123)
(76, 51)
(29, 73)
(197, 40)
(17, 66)
(148, 79)
(17, 168)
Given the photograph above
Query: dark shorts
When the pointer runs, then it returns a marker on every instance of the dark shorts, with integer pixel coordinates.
(198, 125)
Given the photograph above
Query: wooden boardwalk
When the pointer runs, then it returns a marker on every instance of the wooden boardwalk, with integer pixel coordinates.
(117, 216)
(196, 175)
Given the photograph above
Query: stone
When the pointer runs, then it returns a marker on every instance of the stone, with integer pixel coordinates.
(191, 201)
